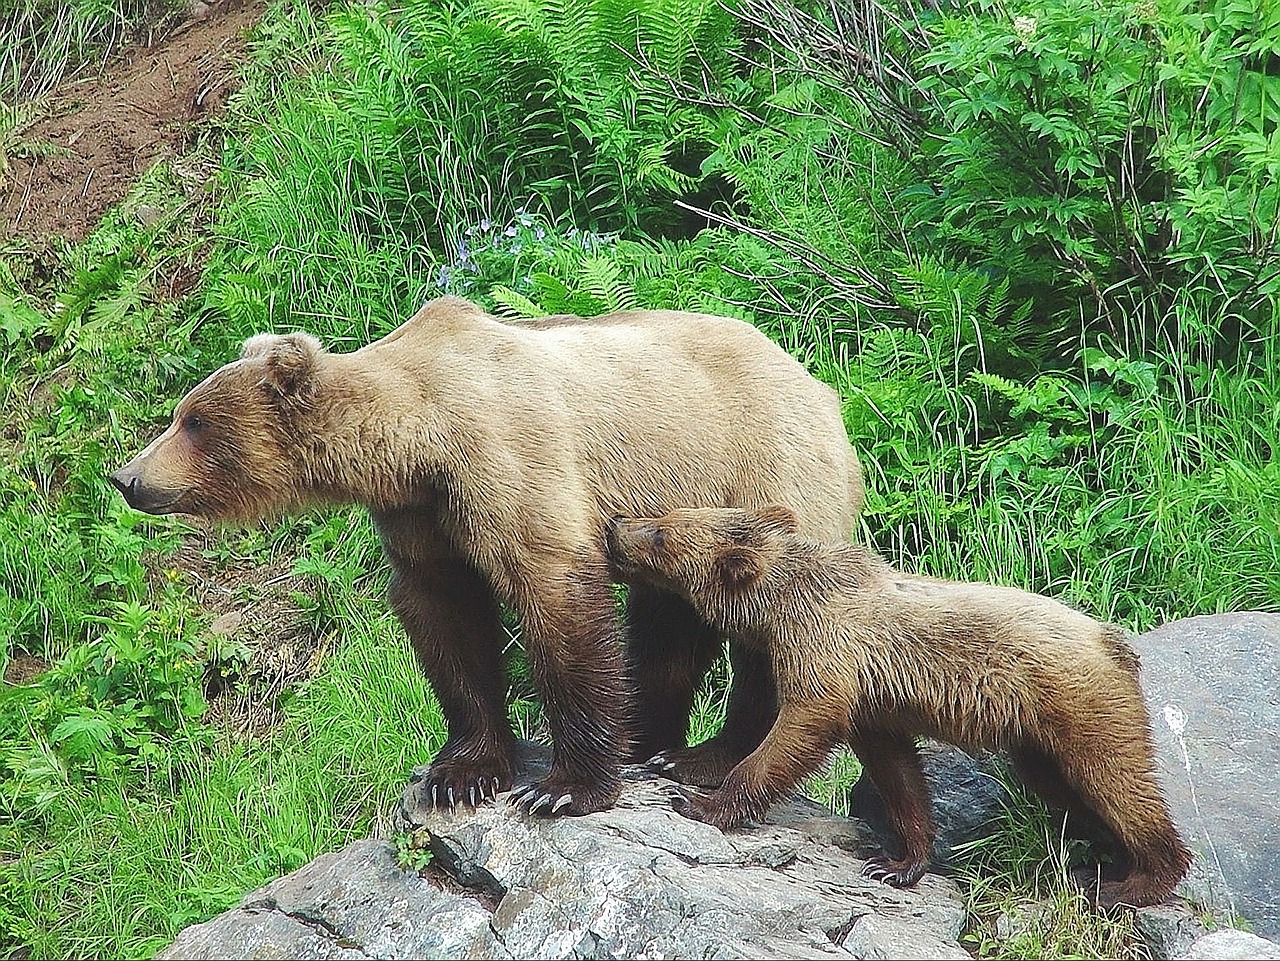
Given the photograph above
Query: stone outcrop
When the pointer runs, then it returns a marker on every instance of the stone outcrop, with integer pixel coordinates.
(635, 881)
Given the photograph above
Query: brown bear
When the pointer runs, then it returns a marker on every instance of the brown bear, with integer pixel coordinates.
(868, 655)
(490, 455)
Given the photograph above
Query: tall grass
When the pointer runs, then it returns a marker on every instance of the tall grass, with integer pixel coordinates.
(43, 41)
(381, 154)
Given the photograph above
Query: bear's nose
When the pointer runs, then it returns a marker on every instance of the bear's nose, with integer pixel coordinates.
(126, 485)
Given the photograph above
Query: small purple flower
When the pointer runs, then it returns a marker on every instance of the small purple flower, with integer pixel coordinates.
(486, 224)
(442, 276)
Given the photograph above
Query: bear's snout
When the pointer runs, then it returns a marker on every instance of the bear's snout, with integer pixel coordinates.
(141, 496)
(126, 484)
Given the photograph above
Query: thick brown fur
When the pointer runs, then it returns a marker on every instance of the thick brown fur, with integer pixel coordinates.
(490, 455)
(866, 654)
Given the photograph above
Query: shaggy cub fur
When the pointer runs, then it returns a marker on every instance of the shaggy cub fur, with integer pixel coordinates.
(866, 654)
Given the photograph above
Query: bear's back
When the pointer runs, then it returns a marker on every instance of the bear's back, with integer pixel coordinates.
(638, 411)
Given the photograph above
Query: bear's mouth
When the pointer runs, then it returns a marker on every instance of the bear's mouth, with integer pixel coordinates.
(148, 500)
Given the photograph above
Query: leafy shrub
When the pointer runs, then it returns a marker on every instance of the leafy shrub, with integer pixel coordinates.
(1114, 163)
(432, 119)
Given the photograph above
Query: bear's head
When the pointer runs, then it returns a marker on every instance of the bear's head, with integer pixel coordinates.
(231, 452)
(709, 555)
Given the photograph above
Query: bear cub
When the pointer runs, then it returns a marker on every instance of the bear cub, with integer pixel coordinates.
(874, 657)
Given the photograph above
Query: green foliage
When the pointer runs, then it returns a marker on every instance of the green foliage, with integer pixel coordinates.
(1114, 158)
(41, 41)
(413, 850)
(1023, 901)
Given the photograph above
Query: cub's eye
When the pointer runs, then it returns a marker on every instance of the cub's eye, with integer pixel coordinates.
(193, 423)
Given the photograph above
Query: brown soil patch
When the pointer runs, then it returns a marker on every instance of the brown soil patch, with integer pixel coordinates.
(23, 669)
(106, 131)
(259, 637)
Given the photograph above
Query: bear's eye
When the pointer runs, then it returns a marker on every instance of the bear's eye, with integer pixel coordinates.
(193, 423)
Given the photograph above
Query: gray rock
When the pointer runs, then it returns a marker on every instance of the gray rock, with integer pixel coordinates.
(967, 797)
(355, 903)
(1231, 945)
(636, 881)
(1167, 929)
(1212, 684)
(879, 939)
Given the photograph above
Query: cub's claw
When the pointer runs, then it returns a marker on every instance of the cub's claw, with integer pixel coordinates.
(899, 874)
(565, 799)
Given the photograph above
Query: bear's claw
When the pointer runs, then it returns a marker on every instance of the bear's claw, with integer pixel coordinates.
(552, 797)
(898, 874)
(445, 785)
(705, 806)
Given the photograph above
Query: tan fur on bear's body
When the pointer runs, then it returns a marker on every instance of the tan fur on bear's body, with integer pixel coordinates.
(877, 657)
(490, 455)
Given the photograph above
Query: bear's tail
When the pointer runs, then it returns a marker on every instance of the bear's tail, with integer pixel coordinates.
(1116, 641)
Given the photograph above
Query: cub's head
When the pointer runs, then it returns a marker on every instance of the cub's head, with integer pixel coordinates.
(232, 450)
(708, 555)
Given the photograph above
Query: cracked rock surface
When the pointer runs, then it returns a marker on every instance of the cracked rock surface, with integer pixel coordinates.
(635, 881)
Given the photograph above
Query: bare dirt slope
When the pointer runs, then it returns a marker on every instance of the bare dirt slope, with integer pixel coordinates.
(101, 133)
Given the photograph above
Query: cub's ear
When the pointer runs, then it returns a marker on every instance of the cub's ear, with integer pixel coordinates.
(289, 359)
(739, 567)
(778, 519)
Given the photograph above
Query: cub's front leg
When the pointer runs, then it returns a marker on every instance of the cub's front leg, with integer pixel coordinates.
(800, 740)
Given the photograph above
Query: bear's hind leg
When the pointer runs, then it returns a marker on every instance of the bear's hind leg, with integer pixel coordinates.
(452, 621)
(670, 649)
(752, 710)
(575, 648)
(893, 764)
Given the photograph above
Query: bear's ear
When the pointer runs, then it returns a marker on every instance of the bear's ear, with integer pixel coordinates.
(289, 359)
(739, 567)
(777, 519)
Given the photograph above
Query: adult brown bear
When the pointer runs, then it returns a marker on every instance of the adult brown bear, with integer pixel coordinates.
(490, 455)
(875, 657)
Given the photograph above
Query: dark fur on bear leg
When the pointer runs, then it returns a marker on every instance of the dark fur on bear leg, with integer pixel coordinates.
(452, 622)
(893, 764)
(752, 710)
(1114, 776)
(575, 655)
(670, 649)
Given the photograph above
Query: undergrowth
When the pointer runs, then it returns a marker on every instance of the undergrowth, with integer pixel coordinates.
(1047, 300)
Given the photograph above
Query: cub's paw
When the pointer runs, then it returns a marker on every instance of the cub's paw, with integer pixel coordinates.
(706, 765)
(557, 795)
(1111, 890)
(709, 808)
(899, 874)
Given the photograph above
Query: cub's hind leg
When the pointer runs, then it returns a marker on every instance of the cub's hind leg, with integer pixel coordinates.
(1111, 768)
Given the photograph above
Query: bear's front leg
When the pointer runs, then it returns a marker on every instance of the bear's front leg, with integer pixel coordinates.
(575, 649)
(798, 743)
(452, 620)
